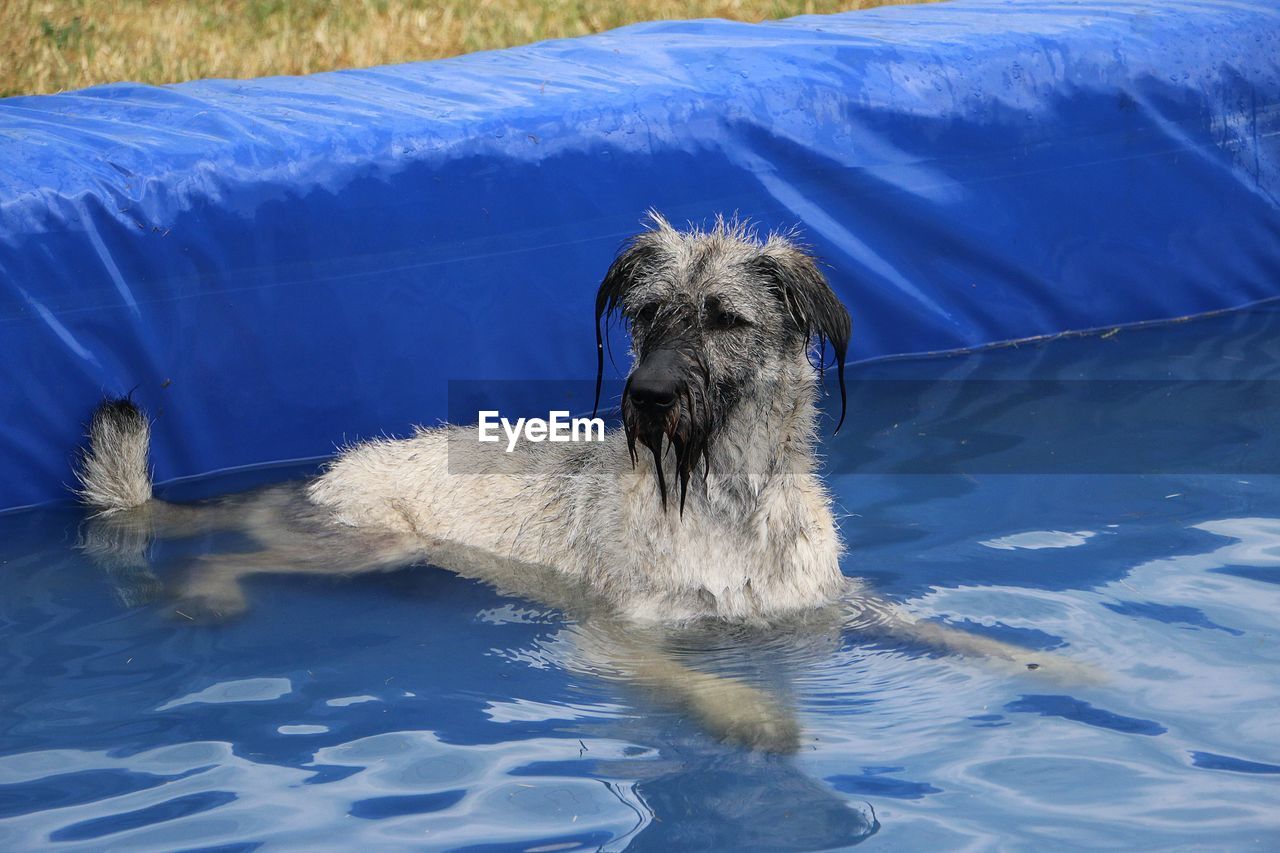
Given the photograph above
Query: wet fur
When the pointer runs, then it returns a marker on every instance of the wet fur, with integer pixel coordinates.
(588, 528)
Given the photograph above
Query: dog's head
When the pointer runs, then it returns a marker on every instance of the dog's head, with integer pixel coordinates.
(715, 317)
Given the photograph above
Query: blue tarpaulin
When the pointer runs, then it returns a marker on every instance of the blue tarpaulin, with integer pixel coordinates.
(279, 265)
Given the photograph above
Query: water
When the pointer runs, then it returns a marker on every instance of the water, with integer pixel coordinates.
(417, 709)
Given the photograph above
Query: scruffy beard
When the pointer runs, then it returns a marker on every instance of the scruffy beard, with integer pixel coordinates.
(686, 428)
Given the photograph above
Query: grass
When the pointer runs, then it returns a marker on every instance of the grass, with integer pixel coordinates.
(53, 45)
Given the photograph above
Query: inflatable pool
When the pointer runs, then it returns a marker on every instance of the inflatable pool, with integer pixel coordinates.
(275, 266)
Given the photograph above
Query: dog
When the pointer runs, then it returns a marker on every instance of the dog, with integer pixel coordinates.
(705, 507)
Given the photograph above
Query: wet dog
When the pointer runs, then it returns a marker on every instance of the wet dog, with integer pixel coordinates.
(705, 506)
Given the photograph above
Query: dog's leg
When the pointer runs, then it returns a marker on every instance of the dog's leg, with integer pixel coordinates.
(867, 614)
(210, 589)
(118, 542)
(728, 708)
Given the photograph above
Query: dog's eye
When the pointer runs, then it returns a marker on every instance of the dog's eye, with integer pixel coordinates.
(646, 315)
(718, 318)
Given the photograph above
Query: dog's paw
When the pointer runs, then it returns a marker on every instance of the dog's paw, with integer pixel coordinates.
(206, 610)
(206, 594)
(1059, 669)
(764, 732)
(737, 713)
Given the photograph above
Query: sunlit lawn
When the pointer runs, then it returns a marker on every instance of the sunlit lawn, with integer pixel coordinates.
(51, 46)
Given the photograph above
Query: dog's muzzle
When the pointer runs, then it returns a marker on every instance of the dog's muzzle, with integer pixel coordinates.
(666, 397)
(655, 384)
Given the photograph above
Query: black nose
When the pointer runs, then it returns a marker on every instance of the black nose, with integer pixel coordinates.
(653, 395)
(655, 382)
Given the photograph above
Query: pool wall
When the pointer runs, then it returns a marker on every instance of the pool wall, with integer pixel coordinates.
(277, 266)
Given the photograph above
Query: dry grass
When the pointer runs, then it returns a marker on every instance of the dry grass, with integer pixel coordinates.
(51, 46)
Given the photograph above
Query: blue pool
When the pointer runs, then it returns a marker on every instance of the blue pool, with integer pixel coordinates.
(1112, 499)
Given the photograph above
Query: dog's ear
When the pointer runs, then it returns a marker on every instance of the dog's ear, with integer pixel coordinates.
(793, 276)
(637, 255)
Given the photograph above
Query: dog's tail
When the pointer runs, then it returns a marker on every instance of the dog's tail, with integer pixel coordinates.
(113, 470)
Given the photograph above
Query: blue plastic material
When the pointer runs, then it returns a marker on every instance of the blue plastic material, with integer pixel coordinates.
(278, 265)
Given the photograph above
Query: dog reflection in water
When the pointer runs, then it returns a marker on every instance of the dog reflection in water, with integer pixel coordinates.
(704, 509)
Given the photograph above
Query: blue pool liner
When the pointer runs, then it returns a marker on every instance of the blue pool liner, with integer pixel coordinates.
(277, 266)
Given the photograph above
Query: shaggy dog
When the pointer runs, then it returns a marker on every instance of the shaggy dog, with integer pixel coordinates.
(705, 507)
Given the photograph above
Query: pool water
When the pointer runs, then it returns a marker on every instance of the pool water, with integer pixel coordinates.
(1111, 499)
